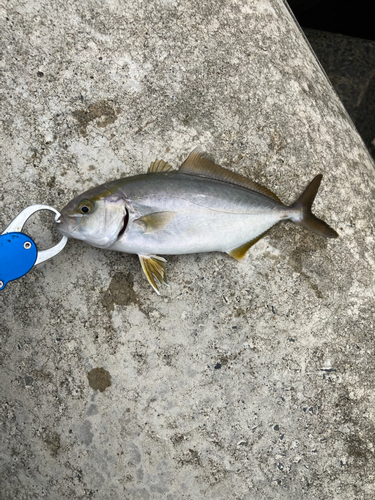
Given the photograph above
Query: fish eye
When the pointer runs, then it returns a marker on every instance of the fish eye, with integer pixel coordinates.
(85, 206)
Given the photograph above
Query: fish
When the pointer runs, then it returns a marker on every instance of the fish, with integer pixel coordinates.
(201, 207)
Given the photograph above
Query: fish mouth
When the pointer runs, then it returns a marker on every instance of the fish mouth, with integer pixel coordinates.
(66, 226)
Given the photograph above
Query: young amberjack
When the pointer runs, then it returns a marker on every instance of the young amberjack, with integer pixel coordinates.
(201, 207)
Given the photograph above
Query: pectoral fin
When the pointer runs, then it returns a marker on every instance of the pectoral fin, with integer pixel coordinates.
(154, 267)
(155, 221)
(240, 252)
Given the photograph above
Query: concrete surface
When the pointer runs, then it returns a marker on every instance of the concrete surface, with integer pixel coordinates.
(350, 66)
(244, 382)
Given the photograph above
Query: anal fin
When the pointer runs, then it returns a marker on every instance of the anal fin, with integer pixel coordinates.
(240, 252)
(154, 268)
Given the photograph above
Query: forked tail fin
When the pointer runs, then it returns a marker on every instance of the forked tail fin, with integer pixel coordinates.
(305, 216)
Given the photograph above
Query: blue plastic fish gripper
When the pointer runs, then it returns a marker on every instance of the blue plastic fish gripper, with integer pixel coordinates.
(18, 252)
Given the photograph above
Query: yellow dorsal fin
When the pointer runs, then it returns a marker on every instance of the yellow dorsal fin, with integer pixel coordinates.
(159, 166)
(155, 221)
(199, 163)
(154, 267)
(240, 252)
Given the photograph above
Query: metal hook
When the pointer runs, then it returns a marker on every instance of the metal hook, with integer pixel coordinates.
(17, 224)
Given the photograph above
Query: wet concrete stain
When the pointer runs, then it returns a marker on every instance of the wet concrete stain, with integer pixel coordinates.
(92, 410)
(120, 292)
(103, 112)
(303, 252)
(52, 440)
(99, 379)
(86, 433)
(357, 448)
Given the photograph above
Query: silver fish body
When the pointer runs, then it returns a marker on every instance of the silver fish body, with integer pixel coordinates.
(201, 207)
(208, 215)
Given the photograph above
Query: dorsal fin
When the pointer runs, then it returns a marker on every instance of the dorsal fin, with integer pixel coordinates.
(200, 164)
(159, 166)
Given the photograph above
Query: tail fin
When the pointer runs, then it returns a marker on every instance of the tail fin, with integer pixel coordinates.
(306, 218)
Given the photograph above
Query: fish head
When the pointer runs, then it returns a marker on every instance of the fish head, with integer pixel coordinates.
(96, 217)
